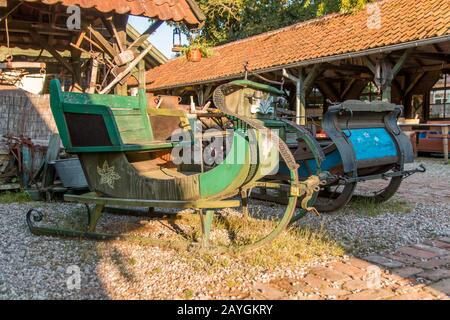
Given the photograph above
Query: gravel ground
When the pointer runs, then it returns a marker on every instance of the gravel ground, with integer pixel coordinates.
(39, 267)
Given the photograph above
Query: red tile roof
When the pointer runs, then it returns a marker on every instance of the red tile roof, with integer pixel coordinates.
(185, 11)
(401, 21)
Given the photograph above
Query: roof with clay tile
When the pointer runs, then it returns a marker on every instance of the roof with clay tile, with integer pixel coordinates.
(186, 11)
(385, 23)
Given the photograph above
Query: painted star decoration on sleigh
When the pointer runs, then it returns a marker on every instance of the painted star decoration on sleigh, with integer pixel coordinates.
(108, 175)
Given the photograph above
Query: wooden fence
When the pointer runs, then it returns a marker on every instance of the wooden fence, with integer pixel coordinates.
(25, 114)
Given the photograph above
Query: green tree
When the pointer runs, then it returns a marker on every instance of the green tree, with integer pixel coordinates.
(229, 20)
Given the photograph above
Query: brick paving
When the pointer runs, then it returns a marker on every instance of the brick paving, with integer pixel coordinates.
(415, 272)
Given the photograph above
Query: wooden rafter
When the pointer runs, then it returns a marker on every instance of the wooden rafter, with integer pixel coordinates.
(44, 44)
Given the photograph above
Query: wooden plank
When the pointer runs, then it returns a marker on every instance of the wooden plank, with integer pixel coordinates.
(106, 46)
(44, 44)
(124, 73)
(22, 64)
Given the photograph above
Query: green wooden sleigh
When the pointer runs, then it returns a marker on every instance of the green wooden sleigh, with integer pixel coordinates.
(128, 163)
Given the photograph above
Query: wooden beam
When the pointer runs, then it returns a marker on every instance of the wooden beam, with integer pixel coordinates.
(22, 64)
(106, 46)
(119, 26)
(329, 91)
(392, 73)
(347, 88)
(312, 76)
(93, 75)
(141, 77)
(369, 64)
(44, 44)
(414, 82)
(400, 62)
(208, 92)
(433, 56)
(436, 67)
(124, 73)
(347, 67)
(144, 36)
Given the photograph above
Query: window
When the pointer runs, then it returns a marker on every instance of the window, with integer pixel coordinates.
(440, 98)
(370, 93)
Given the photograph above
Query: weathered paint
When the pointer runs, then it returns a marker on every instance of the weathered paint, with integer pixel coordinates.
(231, 174)
(331, 161)
(371, 143)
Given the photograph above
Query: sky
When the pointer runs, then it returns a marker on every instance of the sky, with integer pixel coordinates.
(162, 39)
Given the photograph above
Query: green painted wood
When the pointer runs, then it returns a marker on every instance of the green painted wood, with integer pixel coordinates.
(207, 221)
(124, 148)
(92, 198)
(125, 119)
(231, 174)
(56, 99)
(95, 216)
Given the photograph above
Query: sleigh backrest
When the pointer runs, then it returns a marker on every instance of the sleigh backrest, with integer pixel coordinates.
(102, 123)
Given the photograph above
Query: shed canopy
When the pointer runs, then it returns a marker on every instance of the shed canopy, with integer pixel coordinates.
(384, 25)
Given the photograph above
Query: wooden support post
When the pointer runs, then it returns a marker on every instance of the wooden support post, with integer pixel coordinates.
(244, 197)
(445, 142)
(391, 74)
(301, 97)
(311, 78)
(75, 59)
(302, 85)
(206, 224)
(200, 96)
(141, 75)
(387, 92)
(119, 26)
(48, 173)
(93, 77)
